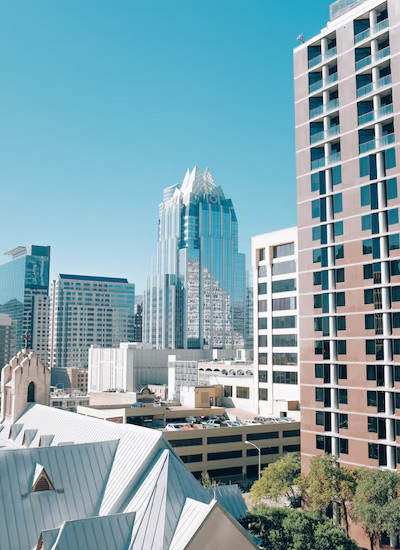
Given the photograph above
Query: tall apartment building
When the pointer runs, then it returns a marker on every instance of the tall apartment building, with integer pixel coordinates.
(24, 289)
(88, 311)
(347, 97)
(276, 364)
(196, 293)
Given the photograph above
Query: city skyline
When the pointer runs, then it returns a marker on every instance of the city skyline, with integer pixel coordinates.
(122, 161)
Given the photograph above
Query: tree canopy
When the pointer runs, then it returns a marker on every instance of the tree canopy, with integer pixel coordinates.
(278, 479)
(288, 529)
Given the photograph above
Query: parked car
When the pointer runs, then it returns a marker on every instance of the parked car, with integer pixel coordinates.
(211, 424)
(173, 427)
(193, 419)
(286, 419)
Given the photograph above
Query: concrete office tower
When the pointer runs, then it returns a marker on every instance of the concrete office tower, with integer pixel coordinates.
(348, 160)
(88, 311)
(249, 314)
(24, 288)
(196, 293)
(276, 359)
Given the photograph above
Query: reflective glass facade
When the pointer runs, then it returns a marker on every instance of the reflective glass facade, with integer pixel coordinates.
(24, 287)
(196, 293)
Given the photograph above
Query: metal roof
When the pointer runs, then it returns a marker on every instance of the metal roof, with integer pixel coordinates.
(78, 474)
(230, 497)
(98, 533)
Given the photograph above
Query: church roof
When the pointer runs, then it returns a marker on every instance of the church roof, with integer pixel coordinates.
(94, 470)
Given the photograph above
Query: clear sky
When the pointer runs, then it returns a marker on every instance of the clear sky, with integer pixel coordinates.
(103, 103)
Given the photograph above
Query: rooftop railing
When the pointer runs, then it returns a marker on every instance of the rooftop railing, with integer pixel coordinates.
(340, 6)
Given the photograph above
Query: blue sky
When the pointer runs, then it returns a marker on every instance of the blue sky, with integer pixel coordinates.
(104, 103)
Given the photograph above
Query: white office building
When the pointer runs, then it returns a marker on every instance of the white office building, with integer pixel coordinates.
(276, 358)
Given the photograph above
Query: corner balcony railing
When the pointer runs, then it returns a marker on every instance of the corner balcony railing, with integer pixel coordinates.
(377, 143)
(340, 6)
(323, 83)
(366, 61)
(325, 161)
(374, 116)
(325, 109)
(322, 58)
(371, 32)
(374, 86)
(323, 136)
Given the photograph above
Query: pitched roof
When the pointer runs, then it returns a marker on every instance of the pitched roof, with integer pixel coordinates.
(230, 498)
(98, 533)
(78, 474)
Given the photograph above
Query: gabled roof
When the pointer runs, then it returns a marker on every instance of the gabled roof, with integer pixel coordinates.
(230, 498)
(99, 533)
(193, 515)
(78, 473)
(65, 426)
(40, 473)
(160, 499)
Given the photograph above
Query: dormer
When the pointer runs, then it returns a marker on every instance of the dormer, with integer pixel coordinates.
(41, 480)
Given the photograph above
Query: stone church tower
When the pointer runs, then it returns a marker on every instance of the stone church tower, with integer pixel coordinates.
(24, 380)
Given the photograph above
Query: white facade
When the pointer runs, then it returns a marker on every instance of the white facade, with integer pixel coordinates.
(276, 354)
(133, 366)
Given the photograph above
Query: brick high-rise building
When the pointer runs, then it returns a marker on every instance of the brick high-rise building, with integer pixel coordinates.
(348, 159)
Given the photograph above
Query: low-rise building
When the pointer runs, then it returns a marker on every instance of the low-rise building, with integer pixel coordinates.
(132, 366)
(68, 401)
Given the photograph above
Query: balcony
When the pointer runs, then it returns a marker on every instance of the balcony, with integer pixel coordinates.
(326, 161)
(367, 61)
(377, 143)
(323, 136)
(325, 109)
(323, 83)
(341, 6)
(371, 32)
(375, 116)
(322, 58)
(374, 86)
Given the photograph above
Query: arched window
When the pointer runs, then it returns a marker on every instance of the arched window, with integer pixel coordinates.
(31, 393)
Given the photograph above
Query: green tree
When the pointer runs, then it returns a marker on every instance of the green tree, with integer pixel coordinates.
(376, 505)
(206, 480)
(288, 529)
(328, 483)
(279, 479)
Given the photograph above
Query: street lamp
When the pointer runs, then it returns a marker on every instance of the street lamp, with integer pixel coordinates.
(259, 457)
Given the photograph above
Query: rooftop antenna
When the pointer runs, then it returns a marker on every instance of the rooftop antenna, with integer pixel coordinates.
(300, 38)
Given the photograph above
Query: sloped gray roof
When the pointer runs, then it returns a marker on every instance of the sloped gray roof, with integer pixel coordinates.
(160, 499)
(192, 517)
(230, 497)
(128, 464)
(100, 533)
(78, 474)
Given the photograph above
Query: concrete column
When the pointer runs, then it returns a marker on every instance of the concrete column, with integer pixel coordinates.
(387, 350)
(330, 237)
(374, 46)
(329, 208)
(331, 277)
(385, 299)
(334, 374)
(389, 382)
(327, 123)
(328, 180)
(335, 423)
(384, 247)
(377, 102)
(381, 196)
(332, 327)
(390, 432)
(373, 18)
(388, 403)
(380, 166)
(334, 398)
(335, 446)
(387, 325)
(325, 96)
(385, 273)
(333, 350)
(331, 256)
(325, 72)
(324, 45)
(332, 303)
(391, 457)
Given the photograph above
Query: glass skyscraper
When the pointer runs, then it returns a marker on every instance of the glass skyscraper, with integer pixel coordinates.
(24, 288)
(196, 292)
